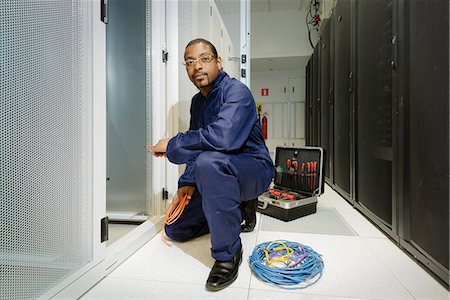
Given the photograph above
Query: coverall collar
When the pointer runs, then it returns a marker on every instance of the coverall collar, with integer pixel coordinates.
(217, 82)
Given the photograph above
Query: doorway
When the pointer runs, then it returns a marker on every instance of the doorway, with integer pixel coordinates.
(127, 182)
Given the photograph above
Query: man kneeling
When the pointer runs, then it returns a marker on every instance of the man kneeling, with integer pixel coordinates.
(227, 161)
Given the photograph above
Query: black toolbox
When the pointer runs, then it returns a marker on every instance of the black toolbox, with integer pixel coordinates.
(298, 182)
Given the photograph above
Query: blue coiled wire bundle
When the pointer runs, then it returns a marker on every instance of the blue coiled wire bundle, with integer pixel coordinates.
(285, 264)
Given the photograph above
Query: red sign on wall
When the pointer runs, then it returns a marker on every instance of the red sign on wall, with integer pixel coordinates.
(265, 92)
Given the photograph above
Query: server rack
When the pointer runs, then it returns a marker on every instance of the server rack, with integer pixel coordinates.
(330, 156)
(342, 97)
(389, 82)
(374, 97)
(315, 100)
(424, 78)
(308, 103)
(324, 46)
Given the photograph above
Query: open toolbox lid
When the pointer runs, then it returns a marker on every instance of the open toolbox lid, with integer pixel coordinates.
(300, 169)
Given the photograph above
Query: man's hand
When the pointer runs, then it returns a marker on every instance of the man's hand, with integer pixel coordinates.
(160, 148)
(186, 190)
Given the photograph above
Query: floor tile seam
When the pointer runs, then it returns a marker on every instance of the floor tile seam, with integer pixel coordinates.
(340, 203)
(251, 270)
(345, 222)
(386, 265)
(309, 233)
(350, 231)
(314, 233)
(361, 219)
(393, 269)
(301, 292)
(134, 277)
(352, 210)
(163, 281)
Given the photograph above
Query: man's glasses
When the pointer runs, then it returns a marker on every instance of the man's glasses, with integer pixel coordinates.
(190, 63)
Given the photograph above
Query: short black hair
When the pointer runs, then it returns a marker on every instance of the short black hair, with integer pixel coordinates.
(200, 40)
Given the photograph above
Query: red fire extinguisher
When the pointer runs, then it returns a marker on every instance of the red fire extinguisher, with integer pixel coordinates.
(264, 126)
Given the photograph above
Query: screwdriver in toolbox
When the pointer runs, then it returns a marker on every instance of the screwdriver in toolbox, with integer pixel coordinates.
(295, 164)
(302, 174)
(315, 174)
(308, 176)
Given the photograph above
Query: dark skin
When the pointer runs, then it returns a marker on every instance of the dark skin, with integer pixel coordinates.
(202, 76)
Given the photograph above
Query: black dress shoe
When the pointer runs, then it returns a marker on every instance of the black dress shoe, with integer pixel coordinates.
(224, 273)
(249, 208)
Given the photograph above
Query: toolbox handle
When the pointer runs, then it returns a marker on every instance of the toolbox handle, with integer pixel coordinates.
(262, 204)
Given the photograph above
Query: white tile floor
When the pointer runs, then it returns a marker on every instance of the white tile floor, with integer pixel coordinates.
(362, 266)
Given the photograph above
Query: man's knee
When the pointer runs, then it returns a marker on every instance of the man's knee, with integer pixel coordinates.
(210, 162)
(175, 234)
(183, 233)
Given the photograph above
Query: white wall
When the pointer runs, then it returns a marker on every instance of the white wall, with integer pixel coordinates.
(285, 106)
(279, 34)
(230, 10)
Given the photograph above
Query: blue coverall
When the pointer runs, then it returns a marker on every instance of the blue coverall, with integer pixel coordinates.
(226, 160)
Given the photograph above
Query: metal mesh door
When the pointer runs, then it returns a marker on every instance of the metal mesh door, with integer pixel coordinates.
(342, 95)
(309, 79)
(45, 128)
(315, 104)
(324, 94)
(374, 120)
(428, 174)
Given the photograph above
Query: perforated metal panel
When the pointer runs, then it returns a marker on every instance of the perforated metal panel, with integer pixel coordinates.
(374, 107)
(327, 220)
(315, 100)
(45, 129)
(342, 97)
(428, 174)
(308, 97)
(325, 94)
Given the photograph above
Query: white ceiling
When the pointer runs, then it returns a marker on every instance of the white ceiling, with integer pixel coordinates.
(293, 63)
(272, 5)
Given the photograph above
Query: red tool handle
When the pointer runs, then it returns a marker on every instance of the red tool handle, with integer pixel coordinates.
(315, 174)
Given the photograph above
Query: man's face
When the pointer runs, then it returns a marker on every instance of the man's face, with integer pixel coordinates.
(202, 67)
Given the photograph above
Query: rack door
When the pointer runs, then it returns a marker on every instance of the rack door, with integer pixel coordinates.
(342, 97)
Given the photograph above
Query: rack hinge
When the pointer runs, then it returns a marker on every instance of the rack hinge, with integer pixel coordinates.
(165, 194)
(104, 11)
(104, 235)
(165, 56)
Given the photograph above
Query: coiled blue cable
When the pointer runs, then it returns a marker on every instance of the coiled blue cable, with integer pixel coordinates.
(285, 264)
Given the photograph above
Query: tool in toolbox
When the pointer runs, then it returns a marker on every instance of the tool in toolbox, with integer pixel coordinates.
(298, 182)
(292, 167)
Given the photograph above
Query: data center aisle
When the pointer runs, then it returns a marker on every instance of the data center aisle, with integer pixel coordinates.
(360, 263)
